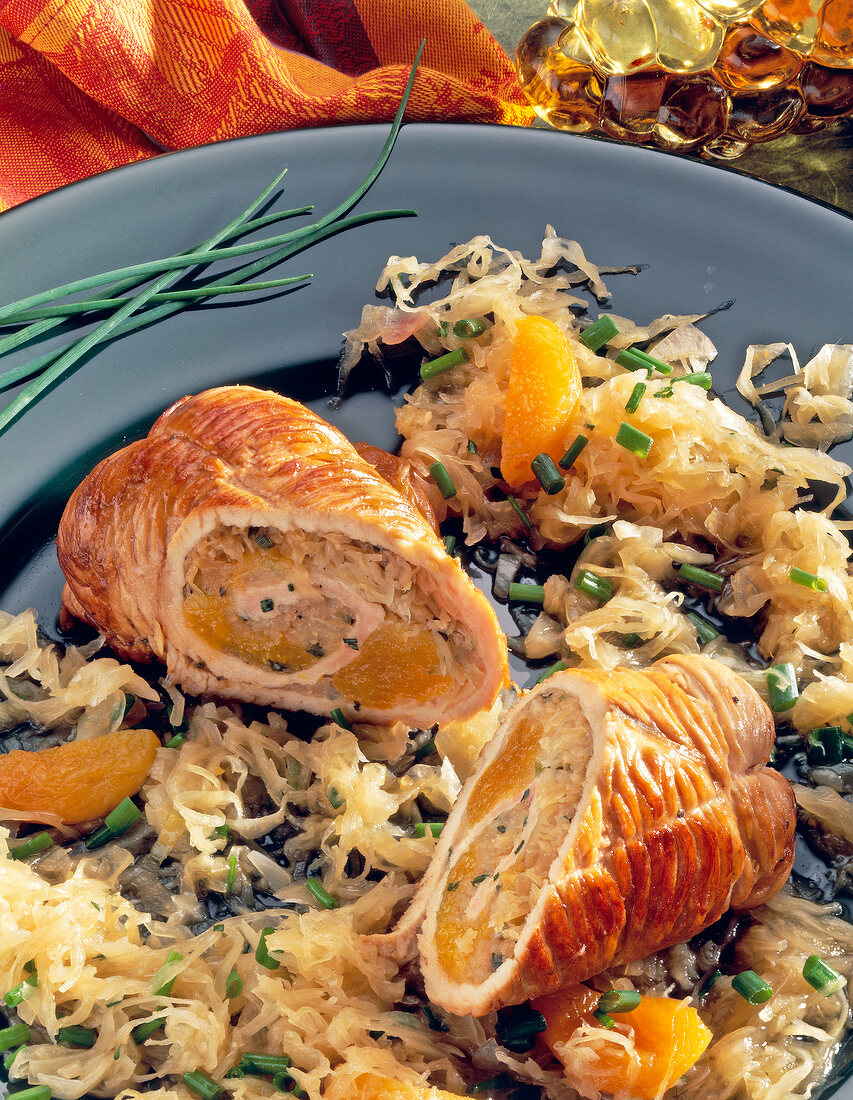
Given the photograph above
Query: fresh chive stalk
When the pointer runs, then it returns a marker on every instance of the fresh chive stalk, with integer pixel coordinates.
(517, 1027)
(233, 985)
(782, 686)
(822, 977)
(699, 378)
(337, 716)
(808, 580)
(37, 1092)
(444, 363)
(634, 359)
(568, 459)
(164, 979)
(751, 987)
(630, 640)
(142, 1032)
(598, 333)
(320, 894)
(633, 402)
(20, 992)
(54, 365)
(826, 745)
(231, 876)
(38, 842)
(706, 631)
(262, 954)
(633, 440)
(603, 1019)
(692, 574)
(519, 511)
(202, 1085)
(709, 983)
(526, 593)
(424, 750)
(434, 827)
(449, 544)
(591, 584)
(264, 1065)
(14, 1036)
(547, 474)
(443, 480)
(558, 666)
(618, 1000)
(469, 326)
(120, 819)
(77, 1036)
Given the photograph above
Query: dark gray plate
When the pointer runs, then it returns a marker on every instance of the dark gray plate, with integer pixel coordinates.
(705, 235)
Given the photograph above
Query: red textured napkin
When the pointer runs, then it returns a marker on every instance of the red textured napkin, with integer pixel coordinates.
(86, 85)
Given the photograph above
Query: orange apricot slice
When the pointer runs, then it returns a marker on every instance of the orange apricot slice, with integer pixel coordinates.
(542, 399)
(372, 1086)
(668, 1035)
(80, 780)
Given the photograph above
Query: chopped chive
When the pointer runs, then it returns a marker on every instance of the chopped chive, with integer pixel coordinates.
(822, 977)
(142, 1032)
(751, 987)
(782, 686)
(99, 838)
(599, 588)
(335, 799)
(77, 1036)
(619, 1000)
(176, 741)
(827, 744)
(443, 480)
(572, 453)
(14, 997)
(517, 1026)
(451, 886)
(547, 474)
(604, 1020)
(432, 1018)
(321, 895)
(469, 326)
(120, 819)
(598, 333)
(263, 540)
(633, 440)
(558, 666)
(699, 378)
(351, 642)
(526, 593)
(426, 749)
(692, 574)
(634, 359)
(9, 1058)
(162, 985)
(444, 363)
(117, 1054)
(221, 831)
(201, 1084)
(38, 842)
(472, 447)
(434, 827)
(449, 544)
(594, 532)
(14, 1036)
(630, 640)
(233, 985)
(709, 983)
(267, 605)
(521, 512)
(37, 1092)
(633, 402)
(808, 580)
(706, 631)
(337, 716)
(478, 879)
(262, 954)
(264, 1065)
(231, 876)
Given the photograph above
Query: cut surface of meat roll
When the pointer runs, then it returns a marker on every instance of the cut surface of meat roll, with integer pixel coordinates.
(612, 815)
(247, 544)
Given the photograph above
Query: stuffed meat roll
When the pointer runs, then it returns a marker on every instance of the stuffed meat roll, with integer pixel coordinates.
(246, 544)
(612, 815)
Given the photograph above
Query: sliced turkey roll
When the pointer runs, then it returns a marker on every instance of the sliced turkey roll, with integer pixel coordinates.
(247, 544)
(612, 815)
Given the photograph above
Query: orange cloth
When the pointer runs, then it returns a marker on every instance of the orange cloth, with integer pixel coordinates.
(86, 85)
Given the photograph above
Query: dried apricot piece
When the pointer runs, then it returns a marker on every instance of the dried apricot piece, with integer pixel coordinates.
(80, 780)
(542, 399)
(371, 1086)
(668, 1038)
